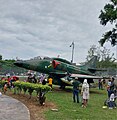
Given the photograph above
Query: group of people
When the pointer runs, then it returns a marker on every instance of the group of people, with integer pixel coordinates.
(31, 78)
(42, 79)
(111, 90)
(84, 92)
(112, 94)
(9, 82)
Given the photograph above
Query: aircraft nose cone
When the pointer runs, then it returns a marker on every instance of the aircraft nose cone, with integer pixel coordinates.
(18, 63)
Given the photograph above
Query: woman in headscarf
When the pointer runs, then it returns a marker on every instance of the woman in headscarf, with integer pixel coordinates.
(85, 93)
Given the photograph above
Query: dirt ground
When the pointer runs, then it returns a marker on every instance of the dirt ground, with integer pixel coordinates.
(36, 110)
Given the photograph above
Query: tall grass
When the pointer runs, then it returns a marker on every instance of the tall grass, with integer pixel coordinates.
(67, 110)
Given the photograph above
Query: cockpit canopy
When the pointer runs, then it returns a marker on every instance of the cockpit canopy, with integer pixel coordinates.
(41, 58)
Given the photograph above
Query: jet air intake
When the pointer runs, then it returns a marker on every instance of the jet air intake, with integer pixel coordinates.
(55, 63)
(59, 65)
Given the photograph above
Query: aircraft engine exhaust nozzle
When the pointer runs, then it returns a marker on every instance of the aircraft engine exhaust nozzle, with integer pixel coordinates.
(55, 63)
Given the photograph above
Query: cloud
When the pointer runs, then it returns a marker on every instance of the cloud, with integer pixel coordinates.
(47, 27)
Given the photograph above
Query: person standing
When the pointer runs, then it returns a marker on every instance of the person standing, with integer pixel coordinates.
(44, 82)
(5, 87)
(112, 85)
(50, 82)
(34, 80)
(85, 93)
(100, 85)
(29, 79)
(42, 77)
(76, 90)
(108, 88)
(104, 83)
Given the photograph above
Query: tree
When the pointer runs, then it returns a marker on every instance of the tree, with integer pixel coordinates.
(109, 15)
(94, 50)
(105, 58)
(0, 57)
(91, 52)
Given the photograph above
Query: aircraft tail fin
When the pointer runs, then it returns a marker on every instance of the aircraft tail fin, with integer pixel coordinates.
(91, 64)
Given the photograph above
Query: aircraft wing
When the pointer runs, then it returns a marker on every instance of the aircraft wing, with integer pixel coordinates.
(86, 76)
(58, 73)
(80, 77)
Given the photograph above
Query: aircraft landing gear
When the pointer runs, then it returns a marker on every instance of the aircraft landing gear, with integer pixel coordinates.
(62, 87)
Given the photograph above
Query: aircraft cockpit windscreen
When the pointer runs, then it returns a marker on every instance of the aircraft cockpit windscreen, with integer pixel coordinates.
(41, 58)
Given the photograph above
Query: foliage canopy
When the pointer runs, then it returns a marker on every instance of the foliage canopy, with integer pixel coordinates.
(105, 58)
(109, 15)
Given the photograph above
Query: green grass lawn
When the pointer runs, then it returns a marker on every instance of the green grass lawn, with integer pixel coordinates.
(67, 110)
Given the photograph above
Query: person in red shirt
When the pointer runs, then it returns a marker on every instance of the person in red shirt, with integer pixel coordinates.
(8, 79)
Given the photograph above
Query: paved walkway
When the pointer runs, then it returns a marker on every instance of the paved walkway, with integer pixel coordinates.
(12, 109)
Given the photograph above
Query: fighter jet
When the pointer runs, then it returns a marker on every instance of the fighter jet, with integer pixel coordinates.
(61, 70)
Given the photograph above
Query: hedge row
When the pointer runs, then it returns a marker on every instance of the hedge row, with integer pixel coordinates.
(26, 86)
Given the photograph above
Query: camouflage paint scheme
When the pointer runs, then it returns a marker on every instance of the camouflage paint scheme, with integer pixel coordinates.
(59, 69)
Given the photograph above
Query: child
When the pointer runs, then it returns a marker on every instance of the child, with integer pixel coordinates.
(111, 102)
(5, 88)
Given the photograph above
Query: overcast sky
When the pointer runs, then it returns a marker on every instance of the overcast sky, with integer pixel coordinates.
(30, 28)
